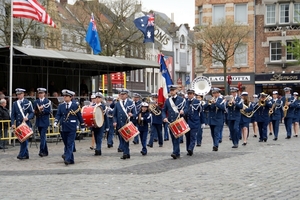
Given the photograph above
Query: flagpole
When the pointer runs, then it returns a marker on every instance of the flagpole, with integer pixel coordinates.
(11, 57)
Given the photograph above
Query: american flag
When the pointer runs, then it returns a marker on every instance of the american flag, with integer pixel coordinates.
(31, 9)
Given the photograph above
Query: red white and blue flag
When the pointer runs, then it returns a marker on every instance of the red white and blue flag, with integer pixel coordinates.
(146, 25)
(164, 90)
(92, 37)
(31, 9)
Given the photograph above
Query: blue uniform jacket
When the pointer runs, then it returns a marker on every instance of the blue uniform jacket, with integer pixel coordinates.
(297, 110)
(16, 115)
(68, 121)
(42, 119)
(233, 112)
(193, 113)
(262, 114)
(291, 110)
(168, 112)
(245, 119)
(145, 119)
(277, 112)
(119, 116)
(215, 112)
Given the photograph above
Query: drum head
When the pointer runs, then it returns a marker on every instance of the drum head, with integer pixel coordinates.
(98, 116)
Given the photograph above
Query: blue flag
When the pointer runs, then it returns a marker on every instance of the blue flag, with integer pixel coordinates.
(146, 25)
(92, 37)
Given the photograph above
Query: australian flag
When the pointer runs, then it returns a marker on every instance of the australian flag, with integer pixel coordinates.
(146, 25)
(92, 37)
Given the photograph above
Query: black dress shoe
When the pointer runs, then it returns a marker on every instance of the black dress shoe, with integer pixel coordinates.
(43, 154)
(23, 158)
(198, 145)
(254, 135)
(181, 141)
(265, 140)
(260, 140)
(160, 145)
(295, 136)
(244, 144)
(166, 139)
(288, 137)
(149, 145)
(215, 148)
(63, 156)
(92, 148)
(3, 147)
(155, 140)
(109, 145)
(235, 146)
(125, 156)
(220, 141)
(190, 153)
(270, 133)
(143, 153)
(120, 150)
(173, 156)
(68, 163)
(134, 142)
(275, 139)
(97, 153)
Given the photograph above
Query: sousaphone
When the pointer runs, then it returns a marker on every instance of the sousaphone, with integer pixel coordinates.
(201, 85)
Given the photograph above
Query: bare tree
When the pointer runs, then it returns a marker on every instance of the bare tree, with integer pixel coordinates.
(219, 43)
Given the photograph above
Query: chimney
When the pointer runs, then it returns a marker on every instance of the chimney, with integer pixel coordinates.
(172, 17)
(187, 26)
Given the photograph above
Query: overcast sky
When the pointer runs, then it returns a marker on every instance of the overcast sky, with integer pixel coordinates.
(184, 10)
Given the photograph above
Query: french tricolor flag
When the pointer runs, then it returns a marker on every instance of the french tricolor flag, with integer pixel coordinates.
(164, 90)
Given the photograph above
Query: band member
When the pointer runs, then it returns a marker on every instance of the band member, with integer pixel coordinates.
(99, 131)
(262, 116)
(180, 93)
(221, 131)
(253, 118)
(296, 114)
(93, 103)
(204, 114)
(42, 109)
(22, 111)
(233, 108)
(68, 113)
(143, 119)
(215, 108)
(288, 111)
(137, 102)
(276, 114)
(109, 111)
(193, 115)
(156, 125)
(173, 107)
(123, 111)
(244, 123)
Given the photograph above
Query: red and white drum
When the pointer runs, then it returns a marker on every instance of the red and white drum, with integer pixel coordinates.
(129, 131)
(92, 116)
(23, 132)
(179, 127)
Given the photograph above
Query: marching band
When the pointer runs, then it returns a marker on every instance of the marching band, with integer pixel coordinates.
(130, 119)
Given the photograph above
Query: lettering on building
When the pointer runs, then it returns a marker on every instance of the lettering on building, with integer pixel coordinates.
(234, 78)
(162, 37)
(279, 77)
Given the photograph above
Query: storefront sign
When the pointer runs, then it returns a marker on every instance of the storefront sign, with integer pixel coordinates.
(234, 78)
(280, 77)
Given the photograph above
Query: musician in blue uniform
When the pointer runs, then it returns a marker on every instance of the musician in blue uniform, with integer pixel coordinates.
(109, 112)
(157, 121)
(193, 115)
(99, 131)
(215, 108)
(123, 111)
(296, 114)
(68, 113)
(143, 119)
(233, 108)
(22, 111)
(42, 109)
(262, 116)
(200, 128)
(253, 118)
(93, 103)
(245, 120)
(276, 114)
(288, 111)
(173, 108)
(137, 102)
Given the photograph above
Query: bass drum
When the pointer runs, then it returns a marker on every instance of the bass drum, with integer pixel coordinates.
(92, 116)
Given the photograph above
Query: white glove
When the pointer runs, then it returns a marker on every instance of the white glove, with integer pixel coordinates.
(82, 129)
(202, 126)
(55, 124)
(107, 129)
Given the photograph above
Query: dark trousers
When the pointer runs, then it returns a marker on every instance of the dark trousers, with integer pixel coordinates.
(143, 137)
(288, 126)
(275, 125)
(263, 129)
(234, 127)
(69, 142)
(98, 134)
(176, 144)
(191, 138)
(156, 132)
(43, 142)
(215, 134)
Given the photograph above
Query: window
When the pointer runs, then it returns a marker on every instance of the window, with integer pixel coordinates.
(141, 75)
(275, 51)
(131, 76)
(284, 13)
(297, 12)
(177, 55)
(289, 55)
(188, 57)
(216, 55)
(270, 17)
(136, 75)
(240, 55)
(200, 15)
(240, 13)
(218, 14)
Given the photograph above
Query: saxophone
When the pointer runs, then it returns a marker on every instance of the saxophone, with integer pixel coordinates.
(271, 111)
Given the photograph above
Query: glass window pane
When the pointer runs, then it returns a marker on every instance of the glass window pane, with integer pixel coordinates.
(218, 13)
(241, 13)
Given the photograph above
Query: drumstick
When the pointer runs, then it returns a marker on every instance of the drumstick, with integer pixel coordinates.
(25, 117)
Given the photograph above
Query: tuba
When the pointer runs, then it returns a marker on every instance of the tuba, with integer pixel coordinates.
(153, 107)
(201, 85)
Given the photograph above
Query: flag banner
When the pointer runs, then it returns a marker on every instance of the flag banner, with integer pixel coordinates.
(146, 25)
(92, 37)
(33, 10)
(164, 90)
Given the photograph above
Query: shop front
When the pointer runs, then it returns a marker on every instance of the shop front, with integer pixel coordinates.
(269, 82)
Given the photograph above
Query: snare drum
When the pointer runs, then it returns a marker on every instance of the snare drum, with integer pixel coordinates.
(23, 132)
(179, 127)
(128, 131)
(92, 116)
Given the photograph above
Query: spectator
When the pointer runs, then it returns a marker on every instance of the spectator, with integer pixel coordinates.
(51, 88)
(83, 88)
(4, 115)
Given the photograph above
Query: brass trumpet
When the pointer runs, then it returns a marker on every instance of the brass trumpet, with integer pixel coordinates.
(154, 109)
(211, 101)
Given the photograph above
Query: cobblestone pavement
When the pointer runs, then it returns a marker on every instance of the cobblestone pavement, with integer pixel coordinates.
(256, 171)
